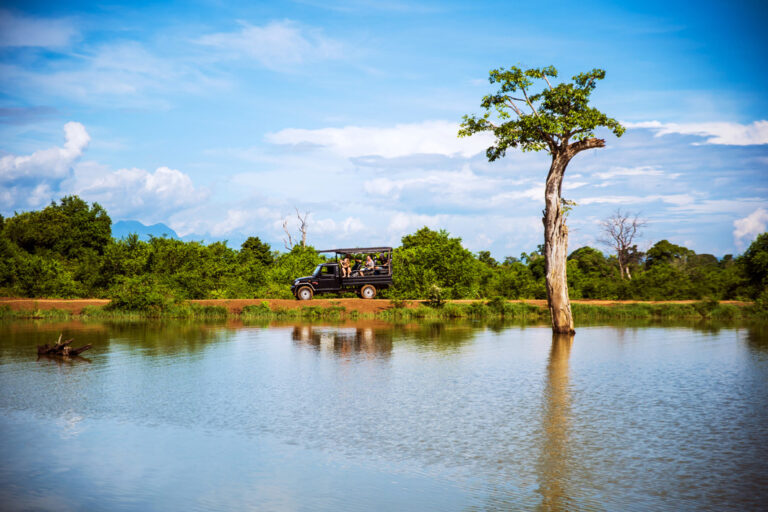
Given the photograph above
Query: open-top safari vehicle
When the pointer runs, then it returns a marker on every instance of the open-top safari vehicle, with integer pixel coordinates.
(365, 270)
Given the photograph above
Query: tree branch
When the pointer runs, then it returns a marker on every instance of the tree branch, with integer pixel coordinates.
(515, 107)
(303, 226)
(289, 242)
(528, 101)
(584, 144)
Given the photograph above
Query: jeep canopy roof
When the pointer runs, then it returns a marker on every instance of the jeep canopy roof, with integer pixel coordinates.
(359, 250)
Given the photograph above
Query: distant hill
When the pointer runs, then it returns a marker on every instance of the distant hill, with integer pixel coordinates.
(123, 228)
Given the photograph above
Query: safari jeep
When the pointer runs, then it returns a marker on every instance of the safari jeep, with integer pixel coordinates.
(328, 277)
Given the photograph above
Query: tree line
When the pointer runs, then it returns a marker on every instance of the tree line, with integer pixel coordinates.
(66, 250)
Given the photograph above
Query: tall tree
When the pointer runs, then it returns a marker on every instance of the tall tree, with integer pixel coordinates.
(619, 233)
(559, 120)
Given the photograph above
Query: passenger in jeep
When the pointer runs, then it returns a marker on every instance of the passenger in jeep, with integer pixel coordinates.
(356, 268)
(369, 264)
(383, 266)
(345, 270)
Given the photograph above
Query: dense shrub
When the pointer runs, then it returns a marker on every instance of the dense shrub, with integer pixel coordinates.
(65, 250)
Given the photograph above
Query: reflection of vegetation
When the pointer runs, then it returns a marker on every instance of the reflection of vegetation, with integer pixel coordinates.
(757, 336)
(166, 337)
(437, 335)
(21, 337)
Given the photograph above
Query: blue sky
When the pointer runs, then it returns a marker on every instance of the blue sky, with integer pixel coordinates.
(219, 120)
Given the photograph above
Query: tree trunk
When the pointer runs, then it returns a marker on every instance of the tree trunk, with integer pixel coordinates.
(621, 266)
(556, 249)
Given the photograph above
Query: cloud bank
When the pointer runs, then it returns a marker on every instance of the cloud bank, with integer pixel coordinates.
(731, 134)
(276, 46)
(428, 137)
(746, 229)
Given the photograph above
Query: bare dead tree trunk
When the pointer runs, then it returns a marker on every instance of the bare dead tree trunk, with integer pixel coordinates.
(287, 242)
(621, 266)
(61, 348)
(303, 227)
(619, 232)
(556, 249)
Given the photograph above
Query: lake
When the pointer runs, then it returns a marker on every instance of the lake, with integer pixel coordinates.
(375, 416)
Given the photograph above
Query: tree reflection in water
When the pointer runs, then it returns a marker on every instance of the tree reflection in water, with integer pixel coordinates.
(554, 460)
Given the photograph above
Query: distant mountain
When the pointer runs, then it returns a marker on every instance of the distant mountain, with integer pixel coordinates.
(123, 228)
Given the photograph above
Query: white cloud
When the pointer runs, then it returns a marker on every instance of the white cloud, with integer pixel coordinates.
(733, 134)
(115, 74)
(711, 207)
(401, 223)
(674, 199)
(36, 32)
(277, 45)
(237, 219)
(49, 163)
(535, 193)
(431, 137)
(746, 229)
(136, 192)
(644, 171)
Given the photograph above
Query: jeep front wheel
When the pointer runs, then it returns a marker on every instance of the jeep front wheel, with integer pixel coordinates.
(368, 291)
(304, 293)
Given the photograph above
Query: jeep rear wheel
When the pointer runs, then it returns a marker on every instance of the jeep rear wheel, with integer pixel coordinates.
(304, 293)
(368, 291)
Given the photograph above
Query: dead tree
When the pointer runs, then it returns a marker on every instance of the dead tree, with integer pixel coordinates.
(619, 232)
(287, 242)
(61, 348)
(303, 223)
(303, 227)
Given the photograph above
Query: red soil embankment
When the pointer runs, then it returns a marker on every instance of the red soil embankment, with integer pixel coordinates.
(236, 305)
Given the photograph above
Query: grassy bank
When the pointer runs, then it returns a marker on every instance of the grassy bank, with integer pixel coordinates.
(399, 310)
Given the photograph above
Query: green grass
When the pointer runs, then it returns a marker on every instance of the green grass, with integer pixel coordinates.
(401, 310)
(45, 314)
(703, 309)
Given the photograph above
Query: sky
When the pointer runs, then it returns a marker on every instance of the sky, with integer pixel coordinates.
(222, 119)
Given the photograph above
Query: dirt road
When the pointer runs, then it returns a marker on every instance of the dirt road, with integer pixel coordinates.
(236, 305)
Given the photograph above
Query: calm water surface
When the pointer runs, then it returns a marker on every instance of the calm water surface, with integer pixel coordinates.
(175, 416)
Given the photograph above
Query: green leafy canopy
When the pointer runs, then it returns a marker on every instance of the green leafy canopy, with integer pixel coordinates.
(553, 119)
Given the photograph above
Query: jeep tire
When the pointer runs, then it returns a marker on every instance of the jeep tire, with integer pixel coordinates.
(368, 291)
(304, 293)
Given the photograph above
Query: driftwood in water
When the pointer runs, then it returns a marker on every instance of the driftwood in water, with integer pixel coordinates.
(61, 348)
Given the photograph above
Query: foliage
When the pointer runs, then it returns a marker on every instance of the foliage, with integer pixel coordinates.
(139, 294)
(755, 261)
(155, 275)
(430, 258)
(558, 114)
(65, 229)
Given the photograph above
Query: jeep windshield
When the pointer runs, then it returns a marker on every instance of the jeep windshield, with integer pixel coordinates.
(317, 271)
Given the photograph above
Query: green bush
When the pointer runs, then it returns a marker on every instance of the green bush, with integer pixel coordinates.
(435, 297)
(138, 294)
(261, 310)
